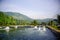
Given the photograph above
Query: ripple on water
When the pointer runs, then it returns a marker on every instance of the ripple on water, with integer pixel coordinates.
(30, 34)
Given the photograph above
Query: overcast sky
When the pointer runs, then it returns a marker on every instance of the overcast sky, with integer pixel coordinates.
(36, 9)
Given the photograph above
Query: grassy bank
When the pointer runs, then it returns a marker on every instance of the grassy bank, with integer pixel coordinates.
(54, 28)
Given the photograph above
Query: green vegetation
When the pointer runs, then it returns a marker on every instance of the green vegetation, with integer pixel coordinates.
(34, 22)
(51, 23)
(55, 23)
(6, 20)
(12, 18)
(17, 16)
(58, 17)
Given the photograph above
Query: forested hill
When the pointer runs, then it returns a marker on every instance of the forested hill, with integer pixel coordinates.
(4, 19)
(18, 16)
(10, 18)
(13, 18)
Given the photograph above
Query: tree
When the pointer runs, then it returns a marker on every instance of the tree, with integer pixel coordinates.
(58, 17)
(51, 23)
(2, 18)
(6, 20)
(43, 23)
(34, 23)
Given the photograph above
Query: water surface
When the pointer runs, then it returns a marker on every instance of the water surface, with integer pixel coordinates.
(27, 34)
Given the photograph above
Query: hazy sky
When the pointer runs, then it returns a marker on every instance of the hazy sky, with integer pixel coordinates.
(36, 9)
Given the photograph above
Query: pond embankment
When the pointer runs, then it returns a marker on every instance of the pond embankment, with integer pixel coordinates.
(55, 31)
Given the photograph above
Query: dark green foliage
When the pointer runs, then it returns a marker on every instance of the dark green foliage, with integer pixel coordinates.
(6, 20)
(52, 23)
(34, 22)
(43, 23)
(58, 17)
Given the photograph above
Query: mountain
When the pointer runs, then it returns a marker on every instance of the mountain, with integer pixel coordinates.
(13, 18)
(47, 19)
(18, 16)
(44, 20)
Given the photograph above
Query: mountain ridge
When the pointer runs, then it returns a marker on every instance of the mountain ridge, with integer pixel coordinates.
(20, 16)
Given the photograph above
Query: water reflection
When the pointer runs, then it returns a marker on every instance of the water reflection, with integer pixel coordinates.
(28, 34)
(44, 29)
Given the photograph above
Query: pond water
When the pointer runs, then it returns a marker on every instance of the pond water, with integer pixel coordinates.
(27, 34)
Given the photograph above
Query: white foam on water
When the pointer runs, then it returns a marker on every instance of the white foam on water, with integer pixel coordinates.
(16, 27)
(39, 28)
(7, 29)
(35, 27)
(44, 29)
